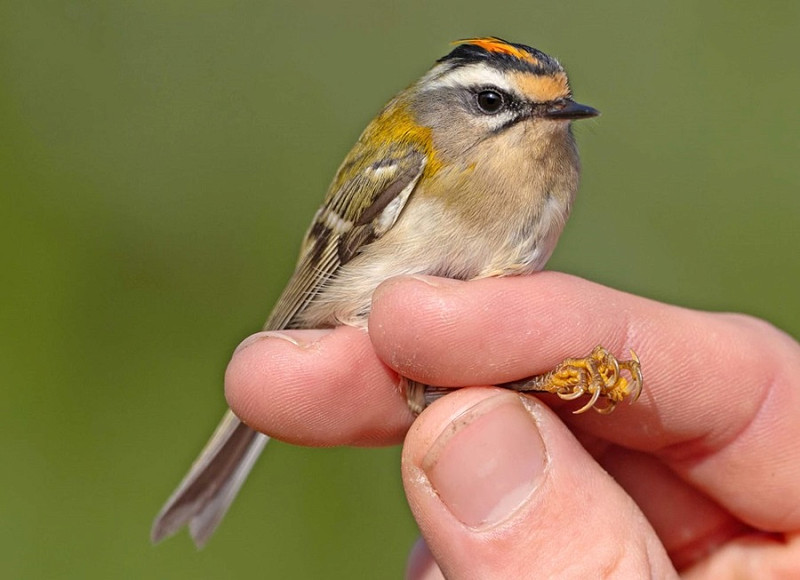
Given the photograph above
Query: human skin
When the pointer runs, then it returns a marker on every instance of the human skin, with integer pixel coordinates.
(700, 477)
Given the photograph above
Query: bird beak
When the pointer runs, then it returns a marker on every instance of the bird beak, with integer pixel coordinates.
(569, 109)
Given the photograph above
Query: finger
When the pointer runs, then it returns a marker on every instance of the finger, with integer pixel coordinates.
(316, 388)
(752, 557)
(501, 489)
(689, 524)
(720, 400)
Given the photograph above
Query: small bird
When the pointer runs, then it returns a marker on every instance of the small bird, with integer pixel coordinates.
(468, 173)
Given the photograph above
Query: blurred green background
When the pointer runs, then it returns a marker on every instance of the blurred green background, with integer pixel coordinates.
(159, 162)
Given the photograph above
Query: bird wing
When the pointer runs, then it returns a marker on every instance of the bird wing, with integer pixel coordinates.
(363, 203)
(366, 198)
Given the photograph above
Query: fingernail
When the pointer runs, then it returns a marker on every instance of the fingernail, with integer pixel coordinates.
(301, 338)
(488, 461)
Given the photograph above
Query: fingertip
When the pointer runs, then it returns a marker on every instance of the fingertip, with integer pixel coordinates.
(409, 314)
(492, 477)
(317, 388)
(244, 375)
(427, 295)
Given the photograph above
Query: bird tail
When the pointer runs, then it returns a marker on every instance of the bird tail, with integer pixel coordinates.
(211, 485)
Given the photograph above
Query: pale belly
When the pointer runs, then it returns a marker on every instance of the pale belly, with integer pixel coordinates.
(416, 246)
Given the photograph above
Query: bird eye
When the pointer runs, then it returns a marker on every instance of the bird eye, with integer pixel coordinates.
(490, 101)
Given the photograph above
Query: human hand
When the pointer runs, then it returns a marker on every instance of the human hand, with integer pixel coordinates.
(701, 475)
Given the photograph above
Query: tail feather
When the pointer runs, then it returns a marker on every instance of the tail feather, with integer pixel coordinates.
(207, 491)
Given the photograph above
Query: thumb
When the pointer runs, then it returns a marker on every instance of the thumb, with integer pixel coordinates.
(501, 489)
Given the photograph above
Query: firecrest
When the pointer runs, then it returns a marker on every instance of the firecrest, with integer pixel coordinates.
(470, 172)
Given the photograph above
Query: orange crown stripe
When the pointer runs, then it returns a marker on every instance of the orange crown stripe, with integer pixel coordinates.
(492, 44)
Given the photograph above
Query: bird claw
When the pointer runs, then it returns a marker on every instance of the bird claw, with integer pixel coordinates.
(600, 375)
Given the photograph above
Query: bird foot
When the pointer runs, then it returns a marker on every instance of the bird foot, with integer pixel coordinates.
(600, 376)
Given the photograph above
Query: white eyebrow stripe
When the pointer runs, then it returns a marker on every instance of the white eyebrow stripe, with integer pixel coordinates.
(472, 75)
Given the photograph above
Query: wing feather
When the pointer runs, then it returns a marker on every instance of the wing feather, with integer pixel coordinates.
(354, 214)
